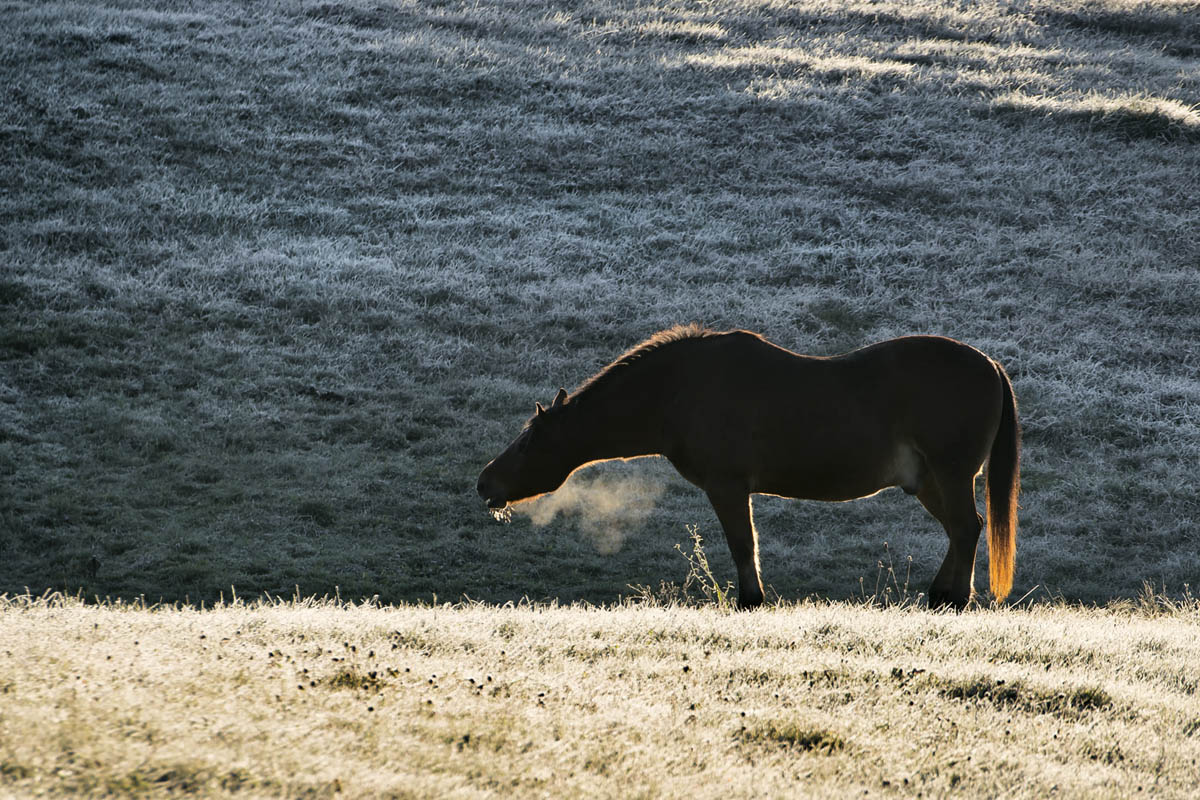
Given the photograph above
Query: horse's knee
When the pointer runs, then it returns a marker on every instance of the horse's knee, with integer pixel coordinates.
(966, 537)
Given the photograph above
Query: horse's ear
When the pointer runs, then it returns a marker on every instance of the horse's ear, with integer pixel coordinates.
(540, 410)
(560, 398)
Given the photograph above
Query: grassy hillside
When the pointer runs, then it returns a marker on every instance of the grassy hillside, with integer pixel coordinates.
(816, 700)
(277, 279)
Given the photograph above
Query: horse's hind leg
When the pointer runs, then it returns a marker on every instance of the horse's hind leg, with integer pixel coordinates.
(952, 502)
(736, 516)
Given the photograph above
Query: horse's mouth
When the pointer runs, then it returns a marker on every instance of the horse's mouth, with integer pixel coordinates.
(500, 510)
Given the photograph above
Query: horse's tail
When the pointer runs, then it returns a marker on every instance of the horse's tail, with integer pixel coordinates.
(1003, 486)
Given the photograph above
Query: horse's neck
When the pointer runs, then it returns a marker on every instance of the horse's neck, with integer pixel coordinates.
(620, 422)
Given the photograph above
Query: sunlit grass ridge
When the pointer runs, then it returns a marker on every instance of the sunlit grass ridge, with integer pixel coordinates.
(280, 278)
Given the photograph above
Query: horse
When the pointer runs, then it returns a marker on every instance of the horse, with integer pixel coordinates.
(737, 416)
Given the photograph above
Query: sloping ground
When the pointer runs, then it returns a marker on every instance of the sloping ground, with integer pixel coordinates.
(278, 279)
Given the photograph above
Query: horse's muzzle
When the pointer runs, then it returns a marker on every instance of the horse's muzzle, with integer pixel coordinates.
(490, 494)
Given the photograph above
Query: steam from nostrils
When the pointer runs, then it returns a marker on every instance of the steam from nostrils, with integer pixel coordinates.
(608, 508)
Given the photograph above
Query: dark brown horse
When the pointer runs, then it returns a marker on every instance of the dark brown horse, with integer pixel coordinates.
(737, 416)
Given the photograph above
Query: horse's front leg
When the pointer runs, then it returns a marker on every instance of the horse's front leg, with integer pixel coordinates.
(734, 510)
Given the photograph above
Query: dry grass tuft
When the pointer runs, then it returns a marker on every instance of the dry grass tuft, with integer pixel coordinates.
(1024, 698)
(790, 736)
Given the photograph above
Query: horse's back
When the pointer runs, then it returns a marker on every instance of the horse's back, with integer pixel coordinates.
(901, 371)
(832, 427)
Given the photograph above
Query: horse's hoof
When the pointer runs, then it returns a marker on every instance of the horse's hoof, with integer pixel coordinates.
(941, 600)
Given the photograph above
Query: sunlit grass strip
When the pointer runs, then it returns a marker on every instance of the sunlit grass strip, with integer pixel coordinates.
(321, 697)
(1137, 116)
(766, 58)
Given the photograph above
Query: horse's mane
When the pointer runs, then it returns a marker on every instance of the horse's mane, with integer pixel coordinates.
(657, 342)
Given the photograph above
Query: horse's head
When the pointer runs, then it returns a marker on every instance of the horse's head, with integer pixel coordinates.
(535, 463)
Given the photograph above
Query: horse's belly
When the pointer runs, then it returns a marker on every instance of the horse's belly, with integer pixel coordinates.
(846, 476)
(820, 487)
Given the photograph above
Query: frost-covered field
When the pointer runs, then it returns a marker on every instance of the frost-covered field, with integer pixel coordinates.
(277, 279)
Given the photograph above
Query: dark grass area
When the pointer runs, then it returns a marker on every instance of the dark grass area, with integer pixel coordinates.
(278, 280)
